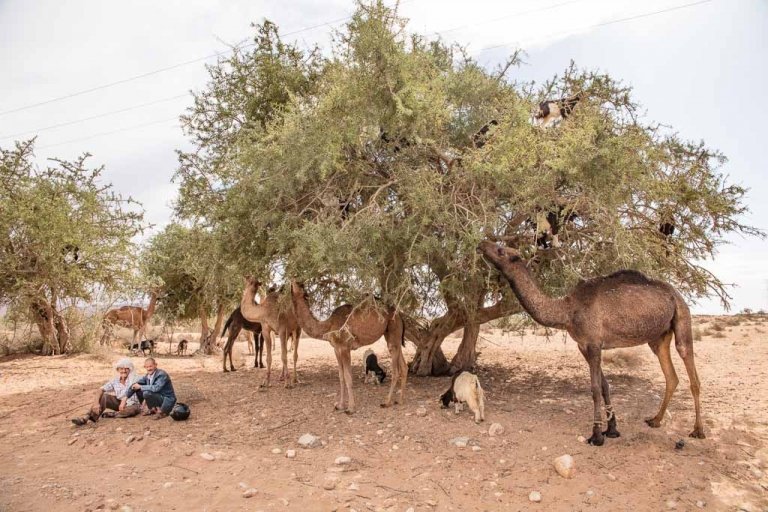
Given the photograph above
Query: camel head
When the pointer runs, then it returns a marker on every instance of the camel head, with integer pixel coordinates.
(297, 289)
(251, 282)
(497, 254)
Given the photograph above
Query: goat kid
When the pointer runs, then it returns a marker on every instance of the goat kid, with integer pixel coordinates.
(144, 346)
(371, 368)
(465, 388)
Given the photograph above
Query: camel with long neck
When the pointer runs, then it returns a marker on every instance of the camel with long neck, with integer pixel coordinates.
(273, 319)
(132, 317)
(624, 309)
(349, 328)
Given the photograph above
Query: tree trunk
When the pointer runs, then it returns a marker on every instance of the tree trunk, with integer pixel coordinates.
(466, 355)
(429, 359)
(52, 326)
(219, 322)
(205, 332)
(62, 332)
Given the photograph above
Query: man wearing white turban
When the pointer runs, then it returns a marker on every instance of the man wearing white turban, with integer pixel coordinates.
(114, 396)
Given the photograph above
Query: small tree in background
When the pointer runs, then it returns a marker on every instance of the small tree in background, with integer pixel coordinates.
(379, 169)
(198, 282)
(65, 236)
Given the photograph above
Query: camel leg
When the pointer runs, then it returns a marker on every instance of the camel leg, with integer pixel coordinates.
(340, 404)
(258, 346)
(612, 431)
(693, 377)
(250, 339)
(394, 337)
(228, 350)
(403, 377)
(593, 356)
(261, 350)
(295, 357)
(346, 355)
(662, 351)
(268, 338)
(395, 376)
(284, 375)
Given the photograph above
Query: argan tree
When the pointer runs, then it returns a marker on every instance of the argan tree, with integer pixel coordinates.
(65, 236)
(376, 172)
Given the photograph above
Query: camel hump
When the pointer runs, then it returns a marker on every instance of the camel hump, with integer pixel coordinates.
(629, 277)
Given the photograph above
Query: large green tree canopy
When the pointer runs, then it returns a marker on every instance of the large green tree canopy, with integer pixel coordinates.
(366, 172)
(65, 235)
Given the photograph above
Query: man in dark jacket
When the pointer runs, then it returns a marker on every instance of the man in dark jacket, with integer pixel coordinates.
(155, 389)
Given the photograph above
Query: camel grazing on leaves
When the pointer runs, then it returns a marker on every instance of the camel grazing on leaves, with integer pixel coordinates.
(132, 317)
(349, 328)
(272, 319)
(235, 323)
(623, 309)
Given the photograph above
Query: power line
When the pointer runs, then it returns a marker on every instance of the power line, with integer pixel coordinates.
(110, 132)
(242, 46)
(506, 16)
(97, 116)
(165, 69)
(611, 22)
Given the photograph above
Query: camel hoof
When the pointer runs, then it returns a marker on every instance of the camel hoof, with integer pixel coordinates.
(349, 412)
(232, 369)
(262, 366)
(226, 371)
(697, 434)
(596, 440)
(653, 422)
(613, 434)
(385, 405)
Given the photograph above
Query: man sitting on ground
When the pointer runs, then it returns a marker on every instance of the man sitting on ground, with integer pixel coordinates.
(114, 395)
(155, 390)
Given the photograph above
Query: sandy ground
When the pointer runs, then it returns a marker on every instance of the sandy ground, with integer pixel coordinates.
(536, 388)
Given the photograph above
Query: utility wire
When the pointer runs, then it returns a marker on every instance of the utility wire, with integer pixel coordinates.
(242, 46)
(97, 116)
(506, 16)
(175, 118)
(167, 68)
(611, 22)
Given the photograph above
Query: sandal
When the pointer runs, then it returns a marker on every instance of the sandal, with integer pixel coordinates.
(79, 421)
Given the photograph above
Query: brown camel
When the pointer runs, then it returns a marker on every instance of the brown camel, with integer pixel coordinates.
(235, 323)
(349, 328)
(272, 319)
(624, 309)
(132, 317)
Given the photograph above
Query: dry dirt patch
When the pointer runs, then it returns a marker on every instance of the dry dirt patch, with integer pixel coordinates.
(536, 388)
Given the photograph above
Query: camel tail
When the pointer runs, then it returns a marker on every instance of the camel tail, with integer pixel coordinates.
(681, 326)
(226, 325)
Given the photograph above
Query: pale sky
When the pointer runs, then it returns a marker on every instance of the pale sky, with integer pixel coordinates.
(702, 69)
